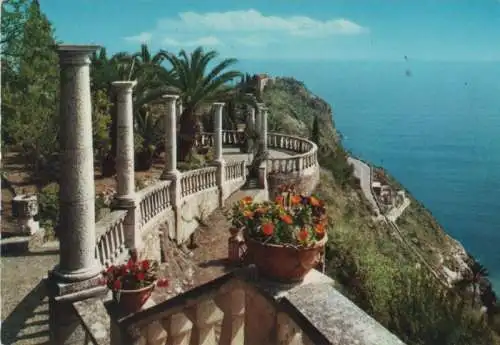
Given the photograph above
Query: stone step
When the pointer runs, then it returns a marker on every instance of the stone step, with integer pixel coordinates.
(12, 243)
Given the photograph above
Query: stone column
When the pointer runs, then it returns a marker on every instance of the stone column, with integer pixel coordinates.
(170, 168)
(125, 194)
(125, 142)
(77, 260)
(218, 159)
(78, 273)
(218, 131)
(262, 126)
(170, 171)
(264, 129)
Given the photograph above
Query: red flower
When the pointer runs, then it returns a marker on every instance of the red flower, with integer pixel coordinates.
(279, 199)
(145, 265)
(287, 219)
(303, 235)
(130, 264)
(140, 276)
(162, 282)
(268, 229)
(296, 199)
(247, 200)
(117, 284)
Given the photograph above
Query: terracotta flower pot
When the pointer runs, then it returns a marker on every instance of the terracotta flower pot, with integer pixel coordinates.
(284, 263)
(132, 300)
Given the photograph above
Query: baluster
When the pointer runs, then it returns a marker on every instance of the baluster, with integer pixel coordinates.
(121, 236)
(233, 325)
(179, 329)
(101, 251)
(206, 316)
(288, 331)
(156, 334)
(109, 241)
(116, 239)
(106, 248)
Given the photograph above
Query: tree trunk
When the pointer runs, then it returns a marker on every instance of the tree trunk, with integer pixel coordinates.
(187, 132)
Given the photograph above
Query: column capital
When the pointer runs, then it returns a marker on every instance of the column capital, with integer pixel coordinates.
(261, 106)
(124, 85)
(171, 98)
(219, 104)
(72, 54)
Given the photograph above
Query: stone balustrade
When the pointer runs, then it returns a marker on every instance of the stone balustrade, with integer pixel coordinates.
(240, 308)
(235, 170)
(195, 181)
(153, 200)
(110, 238)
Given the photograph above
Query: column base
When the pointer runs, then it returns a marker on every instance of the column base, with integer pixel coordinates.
(76, 276)
(170, 175)
(125, 201)
(221, 179)
(65, 326)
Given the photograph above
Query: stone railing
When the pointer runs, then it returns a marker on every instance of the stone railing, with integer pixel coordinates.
(241, 308)
(235, 170)
(152, 201)
(303, 152)
(110, 237)
(198, 180)
(306, 158)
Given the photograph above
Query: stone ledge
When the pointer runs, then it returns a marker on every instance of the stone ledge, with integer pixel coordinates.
(322, 311)
(95, 319)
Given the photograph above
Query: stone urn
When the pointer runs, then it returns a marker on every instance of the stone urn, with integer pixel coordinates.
(284, 263)
(24, 209)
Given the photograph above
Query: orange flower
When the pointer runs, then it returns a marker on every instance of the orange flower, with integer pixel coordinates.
(303, 235)
(268, 229)
(314, 202)
(320, 230)
(287, 219)
(248, 214)
(280, 199)
(296, 199)
(261, 210)
(247, 200)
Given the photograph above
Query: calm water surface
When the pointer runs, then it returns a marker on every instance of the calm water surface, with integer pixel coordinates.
(437, 131)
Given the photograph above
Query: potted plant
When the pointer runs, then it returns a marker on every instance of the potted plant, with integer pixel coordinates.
(133, 282)
(285, 237)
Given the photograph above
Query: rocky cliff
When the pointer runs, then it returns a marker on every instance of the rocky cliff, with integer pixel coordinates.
(397, 271)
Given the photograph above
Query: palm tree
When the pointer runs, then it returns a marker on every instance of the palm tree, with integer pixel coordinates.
(197, 86)
(151, 85)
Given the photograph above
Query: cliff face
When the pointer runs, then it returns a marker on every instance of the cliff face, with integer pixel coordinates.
(397, 276)
(292, 109)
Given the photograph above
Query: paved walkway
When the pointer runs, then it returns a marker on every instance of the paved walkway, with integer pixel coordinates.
(396, 212)
(25, 310)
(362, 171)
(232, 154)
(24, 305)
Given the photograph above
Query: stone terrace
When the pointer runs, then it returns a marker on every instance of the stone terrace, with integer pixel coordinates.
(238, 307)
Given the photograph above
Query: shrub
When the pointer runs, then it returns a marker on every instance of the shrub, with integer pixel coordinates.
(48, 204)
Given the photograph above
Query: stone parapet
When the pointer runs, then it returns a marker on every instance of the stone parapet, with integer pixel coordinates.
(241, 307)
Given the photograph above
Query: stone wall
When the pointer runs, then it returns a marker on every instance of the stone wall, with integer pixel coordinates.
(305, 181)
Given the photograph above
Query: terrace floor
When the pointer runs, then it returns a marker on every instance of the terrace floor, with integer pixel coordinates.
(24, 301)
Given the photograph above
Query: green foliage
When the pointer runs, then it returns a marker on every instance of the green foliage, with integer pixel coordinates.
(29, 92)
(315, 133)
(197, 86)
(48, 204)
(101, 121)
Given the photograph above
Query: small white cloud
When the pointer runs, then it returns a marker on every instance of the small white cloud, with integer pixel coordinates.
(143, 37)
(202, 41)
(254, 21)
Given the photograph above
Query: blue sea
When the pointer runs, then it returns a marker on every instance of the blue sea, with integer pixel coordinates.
(434, 125)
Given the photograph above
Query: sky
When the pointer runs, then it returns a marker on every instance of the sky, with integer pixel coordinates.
(444, 30)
